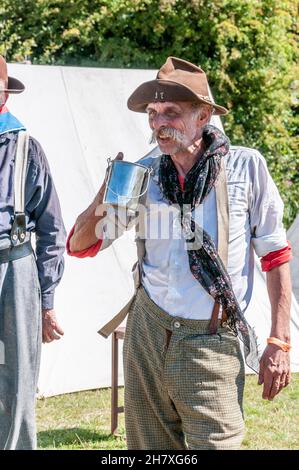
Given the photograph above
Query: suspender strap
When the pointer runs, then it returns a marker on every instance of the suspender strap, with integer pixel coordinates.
(222, 214)
(18, 231)
(109, 327)
(223, 236)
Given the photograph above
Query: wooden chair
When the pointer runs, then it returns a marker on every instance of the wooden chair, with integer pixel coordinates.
(118, 334)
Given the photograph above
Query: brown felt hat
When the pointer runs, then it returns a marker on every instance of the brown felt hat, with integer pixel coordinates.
(12, 85)
(177, 80)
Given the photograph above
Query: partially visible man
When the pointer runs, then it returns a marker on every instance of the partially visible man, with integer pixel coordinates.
(184, 373)
(28, 203)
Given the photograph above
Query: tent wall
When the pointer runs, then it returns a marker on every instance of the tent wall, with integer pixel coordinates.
(80, 117)
(293, 236)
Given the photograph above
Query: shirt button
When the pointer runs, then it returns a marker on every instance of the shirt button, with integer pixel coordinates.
(177, 324)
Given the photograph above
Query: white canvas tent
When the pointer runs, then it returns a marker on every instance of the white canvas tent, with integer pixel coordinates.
(293, 236)
(80, 117)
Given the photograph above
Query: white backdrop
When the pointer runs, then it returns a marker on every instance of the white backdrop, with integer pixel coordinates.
(80, 117)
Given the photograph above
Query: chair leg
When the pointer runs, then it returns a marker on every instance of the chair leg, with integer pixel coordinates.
(114, 385)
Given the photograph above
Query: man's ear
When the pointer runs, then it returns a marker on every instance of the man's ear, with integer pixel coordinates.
(3, 99)
(204, 116)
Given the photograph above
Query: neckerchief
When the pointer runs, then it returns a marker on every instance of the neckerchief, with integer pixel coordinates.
(204, 261)
(8, 122)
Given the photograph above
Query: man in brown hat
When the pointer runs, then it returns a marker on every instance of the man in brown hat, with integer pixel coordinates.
(184, 372)
(28, 203)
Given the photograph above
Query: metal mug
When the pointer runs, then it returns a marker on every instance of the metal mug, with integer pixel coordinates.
(126, 182)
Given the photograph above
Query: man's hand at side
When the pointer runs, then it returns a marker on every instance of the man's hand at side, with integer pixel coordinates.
(275, 363)
(51, 328)
(275, 371)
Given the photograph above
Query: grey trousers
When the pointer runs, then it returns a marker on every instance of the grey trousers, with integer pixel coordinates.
(20, 341)
(183, 386)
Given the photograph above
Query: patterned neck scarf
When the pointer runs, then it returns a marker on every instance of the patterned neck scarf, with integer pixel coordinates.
(204, 261)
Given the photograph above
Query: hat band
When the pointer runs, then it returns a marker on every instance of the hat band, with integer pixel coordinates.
(160, 96)
(204, 97)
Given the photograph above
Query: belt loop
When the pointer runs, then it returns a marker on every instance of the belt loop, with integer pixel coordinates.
(168, 338)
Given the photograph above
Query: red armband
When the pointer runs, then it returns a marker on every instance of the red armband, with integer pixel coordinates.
(91, 251)
(275, 258)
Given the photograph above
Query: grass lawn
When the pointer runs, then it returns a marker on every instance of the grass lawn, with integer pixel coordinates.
(82, 420)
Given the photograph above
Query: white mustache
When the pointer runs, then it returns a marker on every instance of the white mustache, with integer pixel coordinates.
(173, 134)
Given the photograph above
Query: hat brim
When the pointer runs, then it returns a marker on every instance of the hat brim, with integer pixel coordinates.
(166, 90)
(14, 86)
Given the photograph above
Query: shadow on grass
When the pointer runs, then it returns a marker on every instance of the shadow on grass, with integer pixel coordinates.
(71, 436)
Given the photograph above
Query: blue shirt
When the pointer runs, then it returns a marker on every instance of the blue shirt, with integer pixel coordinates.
(42, 209)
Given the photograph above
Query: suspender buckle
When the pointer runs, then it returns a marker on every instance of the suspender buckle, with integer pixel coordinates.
(18, 231)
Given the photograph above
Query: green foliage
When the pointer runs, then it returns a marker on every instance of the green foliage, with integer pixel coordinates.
(247, 47)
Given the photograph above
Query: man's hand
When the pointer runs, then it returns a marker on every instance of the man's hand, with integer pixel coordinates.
(275, 371)
(85, 234)
(51, 328)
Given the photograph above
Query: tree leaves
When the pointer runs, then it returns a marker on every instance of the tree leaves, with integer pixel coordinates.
(247, 48)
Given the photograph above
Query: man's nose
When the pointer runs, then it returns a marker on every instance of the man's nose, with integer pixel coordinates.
(159, 120)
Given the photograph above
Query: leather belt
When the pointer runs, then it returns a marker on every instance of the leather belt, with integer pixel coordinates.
(15, 252)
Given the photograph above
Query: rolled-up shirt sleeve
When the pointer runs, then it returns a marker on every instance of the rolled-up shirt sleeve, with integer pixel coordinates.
(91, 251)
(44, 208)
(108, 229)
(266, 211)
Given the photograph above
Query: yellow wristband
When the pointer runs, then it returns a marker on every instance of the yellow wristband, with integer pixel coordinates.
(282, 344)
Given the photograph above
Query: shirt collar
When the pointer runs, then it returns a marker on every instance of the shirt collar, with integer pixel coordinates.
(8, 122)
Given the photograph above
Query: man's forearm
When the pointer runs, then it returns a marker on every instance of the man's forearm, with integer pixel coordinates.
(280, 294)
(84, 234)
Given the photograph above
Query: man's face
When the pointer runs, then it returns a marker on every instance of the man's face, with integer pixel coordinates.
(175, 125)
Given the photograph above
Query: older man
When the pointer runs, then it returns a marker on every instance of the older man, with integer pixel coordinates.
(184, 372)
(28, 203)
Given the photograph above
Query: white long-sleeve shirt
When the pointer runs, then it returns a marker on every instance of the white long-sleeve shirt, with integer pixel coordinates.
(255, 223)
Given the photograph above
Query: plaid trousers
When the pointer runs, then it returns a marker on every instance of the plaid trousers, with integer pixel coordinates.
(183, 386)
